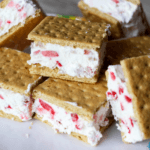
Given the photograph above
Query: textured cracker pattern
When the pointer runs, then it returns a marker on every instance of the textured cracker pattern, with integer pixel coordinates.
(77, 135)
(137, 73)
(90, 97)
(16, 38)
(69, 32)
(9, 116)
(121, 49)
(14, 71)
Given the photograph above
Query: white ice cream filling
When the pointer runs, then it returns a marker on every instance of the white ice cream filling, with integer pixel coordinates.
(16, 104)
(14, 13)
(122, 107)
(67, 122)
(72, 61)
(122, 10)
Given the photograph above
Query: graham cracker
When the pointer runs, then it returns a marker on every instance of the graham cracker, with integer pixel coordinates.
(126, 48)
(77, 135)
(9, 116)
(88, 96)
(68, 32)
(137, 73)
(14, 72)
(17, 36)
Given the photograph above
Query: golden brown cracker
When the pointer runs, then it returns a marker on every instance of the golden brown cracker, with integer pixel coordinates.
(67, 32)
(137, 73)
(14, 71)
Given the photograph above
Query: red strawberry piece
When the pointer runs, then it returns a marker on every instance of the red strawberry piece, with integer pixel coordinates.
(122, 121)
(95, 118)
(131, 121)
(22, 117)
(89, 69)
(47, 107)
(114, 94)
(122, 107)
(74, 117)
(9, 22)
(9, 107)
(129, 131)
(101, 117)
(86, 52)
(128, 99)
(19, 8)
(121, 90)
(36, 52)
(112, 75)
(79, 125)
(116, 1)
(11, 4)
(108, 93)
(58, 63)
(50, 54)
(1, 97)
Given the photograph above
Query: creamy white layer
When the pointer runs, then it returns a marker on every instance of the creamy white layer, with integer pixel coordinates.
(67, 122)
(14, 13)
(16, 104)
(72, 61)
(122, 10)
(122, 107)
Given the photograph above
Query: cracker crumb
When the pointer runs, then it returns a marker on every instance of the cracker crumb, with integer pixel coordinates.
(31, 123)
(29, 127)
(27, 136)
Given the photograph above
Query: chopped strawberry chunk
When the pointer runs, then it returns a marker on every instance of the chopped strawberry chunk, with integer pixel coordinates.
(79, 125)
(122, 121)
(9, 107)
(19, 8)
(47, 107)
(50, 54)
(9, 22)
(22, 117)
(112, 75)
(74, 117)
(121, 90)
(108, 93)
(58, 63)
(11, 4)
(86, 52)
(131, 121)
(116, 1)
(36, 52)
(122, 107)
(129, 131)
(1, 97)
(114, 94)
(128, 99)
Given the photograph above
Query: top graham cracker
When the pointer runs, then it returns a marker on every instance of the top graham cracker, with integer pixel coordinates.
(121, 49)
(137, 73)
(14, 71)
(88, 96)
(68, 32)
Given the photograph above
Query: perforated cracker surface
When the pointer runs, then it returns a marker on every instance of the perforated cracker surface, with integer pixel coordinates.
(137, 73)
(121, 49)
(69, 32)
(14, 71)
(88, 96)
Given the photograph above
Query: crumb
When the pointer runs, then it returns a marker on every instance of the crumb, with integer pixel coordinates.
(29, 127)
(27, 136)
(31, 123)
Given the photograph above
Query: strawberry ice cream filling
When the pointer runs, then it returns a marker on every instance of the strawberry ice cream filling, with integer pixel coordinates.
(14, 13)
(16, 104)
(122, 10)
(72, 61)
(122, 107)
(67, 122)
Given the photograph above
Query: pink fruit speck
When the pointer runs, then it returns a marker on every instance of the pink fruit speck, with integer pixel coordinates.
(50, 54)
(108, 93)
(47, 107)
(114, 94)
(79, 125)
(131, 121)
(128, 99)
(11, 4)
(89, 69)
(95, 118)
(106, 119)
(121, 90)
(9, 22)
(21, 116)
(9, 107)
(58, 63)
(86, 52)
(112, 75)
(116, 1)
(1, 97)
(101, 117)
(122, 121)
(24, 15)
(40, 110)
(36, 52)
(122, 107)
(19, 8)
(129, 131)
(74, 117)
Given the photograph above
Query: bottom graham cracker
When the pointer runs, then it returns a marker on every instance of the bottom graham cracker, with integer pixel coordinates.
(77, 135)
